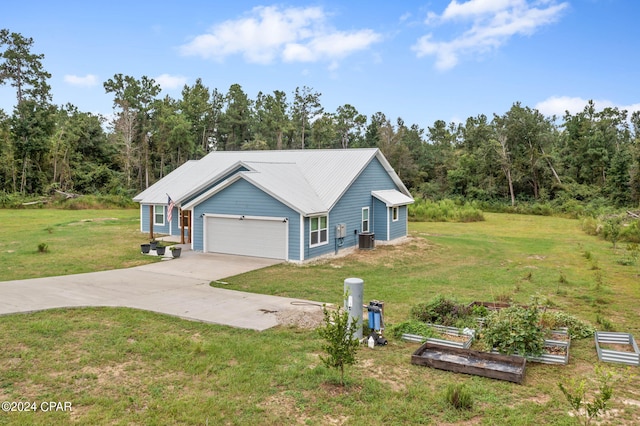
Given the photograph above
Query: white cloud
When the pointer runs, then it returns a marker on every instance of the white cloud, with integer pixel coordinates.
(169, 82)
(558, 105)
(270, 33)
(489, 24)
(88, 80)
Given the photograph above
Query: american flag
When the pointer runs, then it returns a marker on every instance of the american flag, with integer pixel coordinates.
(171, 206)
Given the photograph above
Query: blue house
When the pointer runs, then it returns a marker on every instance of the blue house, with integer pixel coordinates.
(292, 205)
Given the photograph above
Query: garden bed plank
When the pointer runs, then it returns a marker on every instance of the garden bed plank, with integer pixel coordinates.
(467, 361)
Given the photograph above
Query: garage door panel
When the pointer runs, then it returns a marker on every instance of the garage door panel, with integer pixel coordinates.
(247, 237)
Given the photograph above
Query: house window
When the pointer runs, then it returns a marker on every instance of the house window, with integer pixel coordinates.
(158, 215)
(319, 234)
(394, 214)
(365, 219)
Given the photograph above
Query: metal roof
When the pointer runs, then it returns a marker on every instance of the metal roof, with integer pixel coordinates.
(309, 181)
(392, 198)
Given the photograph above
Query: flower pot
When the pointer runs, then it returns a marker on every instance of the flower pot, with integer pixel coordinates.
(145, 248)
(176, 251)
(160, 250)
(153, 244)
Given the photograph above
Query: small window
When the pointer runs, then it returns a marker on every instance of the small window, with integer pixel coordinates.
(158, 215)
(319, 234)
(394, 214)
(365, 219)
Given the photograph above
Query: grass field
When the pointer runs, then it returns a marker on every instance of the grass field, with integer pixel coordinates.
(121, 366)
(76, 241)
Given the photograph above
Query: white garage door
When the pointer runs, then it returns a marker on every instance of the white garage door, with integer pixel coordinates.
(251, 236)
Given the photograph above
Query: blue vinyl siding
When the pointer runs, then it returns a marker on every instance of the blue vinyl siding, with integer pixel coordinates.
(387, 229)
(242, 198)
(398, 228)
(144, 217)
(348, 209)
(380, 219)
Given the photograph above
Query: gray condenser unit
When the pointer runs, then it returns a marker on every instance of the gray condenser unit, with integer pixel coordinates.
(367, 241)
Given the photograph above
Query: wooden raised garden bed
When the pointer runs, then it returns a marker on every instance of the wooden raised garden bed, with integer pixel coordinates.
(451, 336)
(467, 361)
(628, 352)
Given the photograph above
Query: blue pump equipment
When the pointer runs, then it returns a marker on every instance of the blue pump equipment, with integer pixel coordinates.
(376, 324)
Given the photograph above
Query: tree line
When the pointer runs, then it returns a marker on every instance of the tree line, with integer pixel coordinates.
(520, 155)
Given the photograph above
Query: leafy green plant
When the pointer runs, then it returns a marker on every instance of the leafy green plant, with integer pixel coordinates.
(577, 328)
(415, 327)
(575, 393)
(606, 324)
(423, 210)
(514, 329)
(341, 346)
(43, 248)
(632, 255)
(458, 396)
(631, 233)
(612, 230)
(441, 310)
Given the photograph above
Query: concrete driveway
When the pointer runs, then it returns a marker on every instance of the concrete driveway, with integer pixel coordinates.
(178, 287)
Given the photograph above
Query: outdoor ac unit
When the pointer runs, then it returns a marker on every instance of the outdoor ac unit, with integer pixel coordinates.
(367, 241)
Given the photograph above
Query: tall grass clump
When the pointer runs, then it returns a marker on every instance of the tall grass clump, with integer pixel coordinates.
(458, 396)
(443, 211)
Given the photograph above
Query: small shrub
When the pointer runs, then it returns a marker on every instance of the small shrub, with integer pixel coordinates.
(575, 393)
(590, 226)
(458, 396)
(43, 248)
(562, 279)
(441, 310)
(514, 329)
(341, 346)
(612, 230)
(479, 311)
(604, 323)
(578, 329)
(631, 233)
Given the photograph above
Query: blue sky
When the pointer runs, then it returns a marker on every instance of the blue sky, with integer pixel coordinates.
(418, 60)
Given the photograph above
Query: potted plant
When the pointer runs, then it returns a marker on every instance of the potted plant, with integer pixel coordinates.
(160, 248)
(145, 248)
(175, 251)
(153, 244)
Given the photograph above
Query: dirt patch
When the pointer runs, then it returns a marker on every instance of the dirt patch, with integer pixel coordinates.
(283, 406)
(387, 254)
(97, 219)
(617, 347)
(308, 318)
(537, 257)
(396, 377)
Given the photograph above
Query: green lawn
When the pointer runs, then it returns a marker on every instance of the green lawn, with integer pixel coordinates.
(121, 366)
(77, 241)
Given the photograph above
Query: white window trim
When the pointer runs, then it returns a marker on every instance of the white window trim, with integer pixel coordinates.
(362, 221)
(395, 211)
(319, 243)
(155, 214)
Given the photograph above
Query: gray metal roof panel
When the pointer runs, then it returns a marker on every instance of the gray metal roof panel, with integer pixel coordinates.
(308, 180)
(392, 198)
